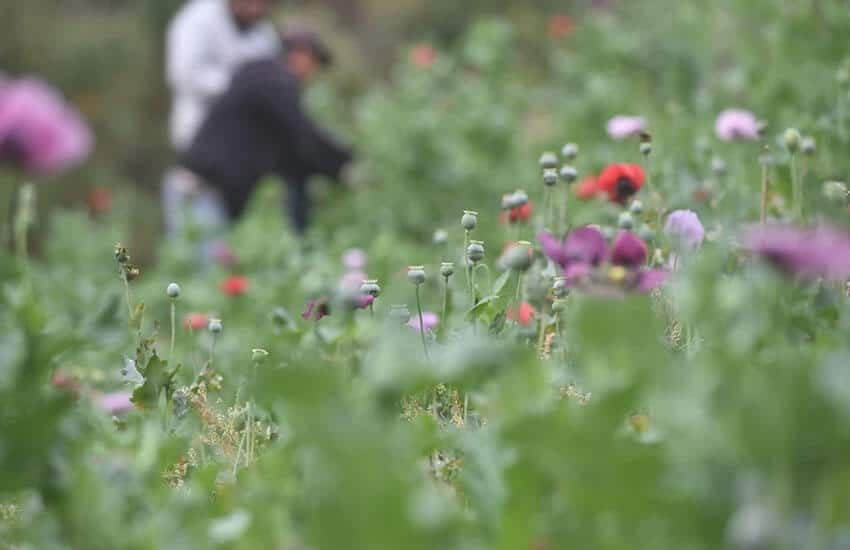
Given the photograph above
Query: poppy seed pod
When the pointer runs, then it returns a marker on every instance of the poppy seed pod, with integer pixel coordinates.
(469, 220)
(626, 221)
(371, 288)
(447, 269)
(259, 355)
(835, 192)
(636, 208)
(132, 272)
(568, 173)
(560, 288)
(808, 145)
(518, 257)
(550, 177)
(569, 151)
(441, 237)
(399, 313)
(792, 138)
(646, 233)
(121, 254)
(173, 290)
(475, 251)
(548, 160)
(559, 306)
(214, 326)
(645, 148)
(416, 274)
(718, 166)
(519, 199)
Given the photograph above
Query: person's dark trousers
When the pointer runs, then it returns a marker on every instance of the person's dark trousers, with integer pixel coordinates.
(298, 204)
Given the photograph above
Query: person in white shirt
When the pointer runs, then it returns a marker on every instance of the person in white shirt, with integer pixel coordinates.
(206, 42)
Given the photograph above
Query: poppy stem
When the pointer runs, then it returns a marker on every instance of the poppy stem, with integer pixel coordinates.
(765, 184)
(547, 207)
(563, 342)
(517, 295)
(421, 322)
(173, 329)
(212, 351)
(797, 189)
(129, 300)
(541, 335)
(466, 267)
(445, 298)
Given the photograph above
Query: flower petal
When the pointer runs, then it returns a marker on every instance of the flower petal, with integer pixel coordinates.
(650, 279)
(585, 245)
(629, 250)
(553, 248)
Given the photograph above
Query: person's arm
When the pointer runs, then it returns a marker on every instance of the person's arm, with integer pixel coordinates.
(188, 66)
(314, 149)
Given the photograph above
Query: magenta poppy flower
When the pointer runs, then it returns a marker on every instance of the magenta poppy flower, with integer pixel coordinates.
(622, 127)
(352, 280)
(588, 263)
(116, 402)
(806, 252)
(737, 124)
(39, 130)
(429, 321)
(684, 227)
(316, 309)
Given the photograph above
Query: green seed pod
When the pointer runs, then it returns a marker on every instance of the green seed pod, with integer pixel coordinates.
(399, 313)
(518, 257)
(718, 166)
(416, 274)
(519, 198)
(550, 177)
(646, 233)
(569, 174)
(259, 355)
(808, 145)
(441, 237)
(447, 269)
(560, 288)
(636, 208)
(569, 151)
(548, 160)
(121, 254)
(475, 251)
(646, 148)
(835, 192)
(173, 291)
(371, 288)
(792, 140)
(559, 306)
(469, 220)
(214, 326)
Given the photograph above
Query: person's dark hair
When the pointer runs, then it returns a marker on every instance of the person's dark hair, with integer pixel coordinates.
(308, 40)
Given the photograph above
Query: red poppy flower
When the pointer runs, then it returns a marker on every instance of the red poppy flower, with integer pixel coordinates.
(561, 25)
(423, 56)
(519, 214)
(524, 315)
(588, 188)
(235, 285)
(621, 181)
(196, 321)
(99, 200)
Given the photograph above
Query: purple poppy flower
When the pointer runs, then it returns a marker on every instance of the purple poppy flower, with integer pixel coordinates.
(365, 300)
(585, 259)
(684, 227)
(116, 402)
(429, 321)
(735, 124)
(352, 280)
(354, 259)
(621, 126)
(806, 252)
(316, 309)
(39, 130)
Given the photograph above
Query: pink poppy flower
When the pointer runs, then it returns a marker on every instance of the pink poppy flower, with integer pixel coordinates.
(429, 321)
(806, 252)
(622, 126)
(354, 259)
(116, 402)
(737, 124)
(38, 130)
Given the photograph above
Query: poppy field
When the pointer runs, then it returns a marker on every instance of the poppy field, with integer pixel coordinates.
(587, 292)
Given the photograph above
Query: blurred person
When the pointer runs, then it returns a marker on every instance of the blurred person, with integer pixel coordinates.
(206, 42)
(258, 128)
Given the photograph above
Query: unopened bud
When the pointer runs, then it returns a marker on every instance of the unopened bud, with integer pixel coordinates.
(469, 220)
(447, 269)
(173, 290)
(792, 140)
(568, 173)
(569, 151)
(548, 160)
(550, 177)
(214, 326)
(416, 274)
(132, 272)
(475, 251)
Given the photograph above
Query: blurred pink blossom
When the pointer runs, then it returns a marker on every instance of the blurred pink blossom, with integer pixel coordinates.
(39, 130)
(622, 126)
(354, 259)
(733, 124)
(685, 228)
(352, 280)
(430, 321)
(116, 402)
(806, 252)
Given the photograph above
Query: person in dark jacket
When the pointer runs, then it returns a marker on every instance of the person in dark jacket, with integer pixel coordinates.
(258, 128)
